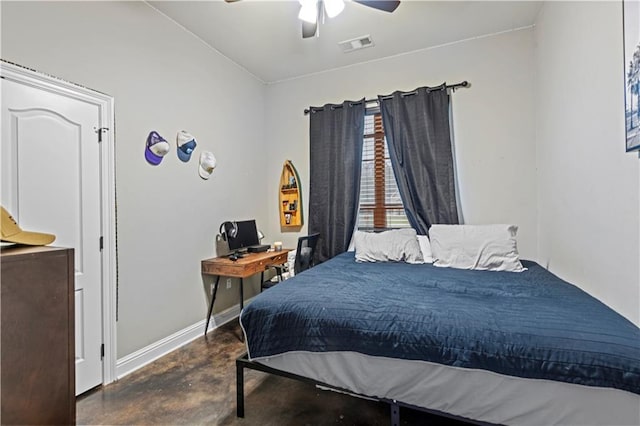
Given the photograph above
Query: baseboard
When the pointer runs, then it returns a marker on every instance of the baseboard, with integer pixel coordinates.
(150, 353)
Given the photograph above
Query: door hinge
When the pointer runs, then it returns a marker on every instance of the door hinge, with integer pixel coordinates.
(102, 351)
(101, 243)
(100, 131)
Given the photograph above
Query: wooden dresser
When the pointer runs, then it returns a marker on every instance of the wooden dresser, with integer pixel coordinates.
(38, 337)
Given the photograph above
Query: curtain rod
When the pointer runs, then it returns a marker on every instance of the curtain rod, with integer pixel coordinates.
(367, 101)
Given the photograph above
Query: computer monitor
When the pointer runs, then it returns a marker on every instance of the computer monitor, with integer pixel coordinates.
(246, 236)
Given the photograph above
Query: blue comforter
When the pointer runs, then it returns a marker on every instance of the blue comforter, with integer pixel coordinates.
(530, 324)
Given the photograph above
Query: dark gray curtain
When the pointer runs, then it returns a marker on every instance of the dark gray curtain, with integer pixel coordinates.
(335, 157)
(416, 125)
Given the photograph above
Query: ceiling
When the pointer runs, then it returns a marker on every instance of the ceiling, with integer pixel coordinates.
(264, 37)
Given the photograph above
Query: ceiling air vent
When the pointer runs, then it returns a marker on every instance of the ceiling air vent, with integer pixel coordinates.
(356, 43)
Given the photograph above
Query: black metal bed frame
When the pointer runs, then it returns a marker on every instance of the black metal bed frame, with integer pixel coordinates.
(243, 362)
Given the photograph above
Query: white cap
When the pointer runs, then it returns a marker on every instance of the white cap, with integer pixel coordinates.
(207, 164)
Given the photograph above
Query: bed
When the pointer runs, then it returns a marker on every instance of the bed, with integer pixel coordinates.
(492, 347)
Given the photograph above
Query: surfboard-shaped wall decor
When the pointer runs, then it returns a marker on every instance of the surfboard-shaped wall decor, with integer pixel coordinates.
(290, 197)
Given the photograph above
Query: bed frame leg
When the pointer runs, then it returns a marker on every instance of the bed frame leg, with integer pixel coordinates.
(395, 413)
(239, 389)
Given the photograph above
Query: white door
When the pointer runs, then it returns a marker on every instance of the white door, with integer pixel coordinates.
(51, 183)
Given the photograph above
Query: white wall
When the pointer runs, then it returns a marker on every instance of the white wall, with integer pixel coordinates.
(162, 79)
(575, 187)
(493, 123)
(588, 192)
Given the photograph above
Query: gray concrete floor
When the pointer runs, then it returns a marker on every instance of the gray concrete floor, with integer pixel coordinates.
(196, 385)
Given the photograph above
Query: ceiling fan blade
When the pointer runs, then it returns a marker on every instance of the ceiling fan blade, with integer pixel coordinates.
(386, 5)
(308, 29)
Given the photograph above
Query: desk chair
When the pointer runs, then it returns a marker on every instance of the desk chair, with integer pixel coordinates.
(304, 258)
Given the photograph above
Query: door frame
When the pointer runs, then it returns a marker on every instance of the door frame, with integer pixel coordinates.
(38, 80)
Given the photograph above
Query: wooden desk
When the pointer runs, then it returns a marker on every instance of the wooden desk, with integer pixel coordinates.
(244, 267)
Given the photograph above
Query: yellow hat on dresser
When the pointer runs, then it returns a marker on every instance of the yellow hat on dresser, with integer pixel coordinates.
(12, 233)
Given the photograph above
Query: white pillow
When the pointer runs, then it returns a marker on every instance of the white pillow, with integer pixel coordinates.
(352, 243)
(425, 248)
(484, 247)
(291, 262)
(397, 245)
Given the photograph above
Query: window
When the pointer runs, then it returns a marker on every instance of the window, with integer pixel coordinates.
(380, 205)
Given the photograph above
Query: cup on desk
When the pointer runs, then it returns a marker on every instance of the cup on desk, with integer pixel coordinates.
(277, 246)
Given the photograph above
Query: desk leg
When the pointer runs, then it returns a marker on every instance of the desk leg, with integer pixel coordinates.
(213, 299)
(241, 304)
(239, 389)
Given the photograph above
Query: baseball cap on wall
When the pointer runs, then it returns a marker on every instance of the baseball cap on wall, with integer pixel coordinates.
(11, 232)
(207, 164)
(186, 145)
(156, 148)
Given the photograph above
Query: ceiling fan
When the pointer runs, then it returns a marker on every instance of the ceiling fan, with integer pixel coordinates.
(312, 11)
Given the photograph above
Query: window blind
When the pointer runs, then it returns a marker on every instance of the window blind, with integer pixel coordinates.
(380, 203)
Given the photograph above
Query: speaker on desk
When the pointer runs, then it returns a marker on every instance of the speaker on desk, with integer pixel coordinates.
(258, 249)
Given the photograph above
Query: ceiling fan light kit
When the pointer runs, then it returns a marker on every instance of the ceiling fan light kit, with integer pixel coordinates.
(308, 11)
(333, 7)
(312, 10)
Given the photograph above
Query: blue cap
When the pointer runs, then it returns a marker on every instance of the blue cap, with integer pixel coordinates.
(186, 145)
